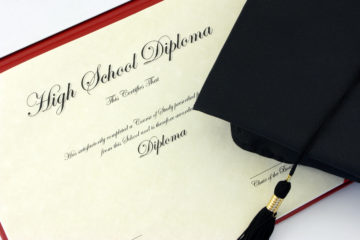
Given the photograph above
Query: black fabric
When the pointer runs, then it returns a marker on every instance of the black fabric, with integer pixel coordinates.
(284, 65)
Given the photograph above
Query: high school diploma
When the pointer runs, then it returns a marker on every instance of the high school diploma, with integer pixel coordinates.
(99, 139)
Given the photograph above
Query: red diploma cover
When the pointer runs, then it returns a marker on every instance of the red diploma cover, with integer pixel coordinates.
(88, 27)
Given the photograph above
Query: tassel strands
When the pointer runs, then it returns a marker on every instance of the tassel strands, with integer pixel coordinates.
(262, 226)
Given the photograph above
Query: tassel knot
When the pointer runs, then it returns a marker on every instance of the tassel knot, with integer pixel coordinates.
(262, 226)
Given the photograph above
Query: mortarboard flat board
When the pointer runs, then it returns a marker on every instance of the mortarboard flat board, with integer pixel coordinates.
(287, 81)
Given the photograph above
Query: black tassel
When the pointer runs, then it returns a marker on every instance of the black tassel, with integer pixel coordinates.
(262, 226)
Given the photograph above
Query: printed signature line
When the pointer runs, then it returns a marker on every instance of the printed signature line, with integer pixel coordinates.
(266, 170)
(136, 237)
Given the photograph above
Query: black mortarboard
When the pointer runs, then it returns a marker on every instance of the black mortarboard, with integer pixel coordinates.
(287, 79)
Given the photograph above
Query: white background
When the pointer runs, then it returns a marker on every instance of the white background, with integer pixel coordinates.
(25, 22)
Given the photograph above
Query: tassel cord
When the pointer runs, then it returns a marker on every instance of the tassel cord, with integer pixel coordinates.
(263, 224)
(325, 121)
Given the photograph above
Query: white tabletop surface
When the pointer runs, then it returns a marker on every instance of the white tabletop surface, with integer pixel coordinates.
(334, 218)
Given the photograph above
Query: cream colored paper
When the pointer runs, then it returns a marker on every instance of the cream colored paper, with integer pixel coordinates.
(88, 170)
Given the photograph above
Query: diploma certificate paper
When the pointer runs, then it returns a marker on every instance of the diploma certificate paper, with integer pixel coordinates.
(99, 139)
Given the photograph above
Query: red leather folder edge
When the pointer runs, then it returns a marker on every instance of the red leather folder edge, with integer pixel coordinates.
(90, 26)
(312, 202)
(74, 32)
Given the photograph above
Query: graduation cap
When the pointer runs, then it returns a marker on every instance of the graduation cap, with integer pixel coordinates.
(287, 79)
